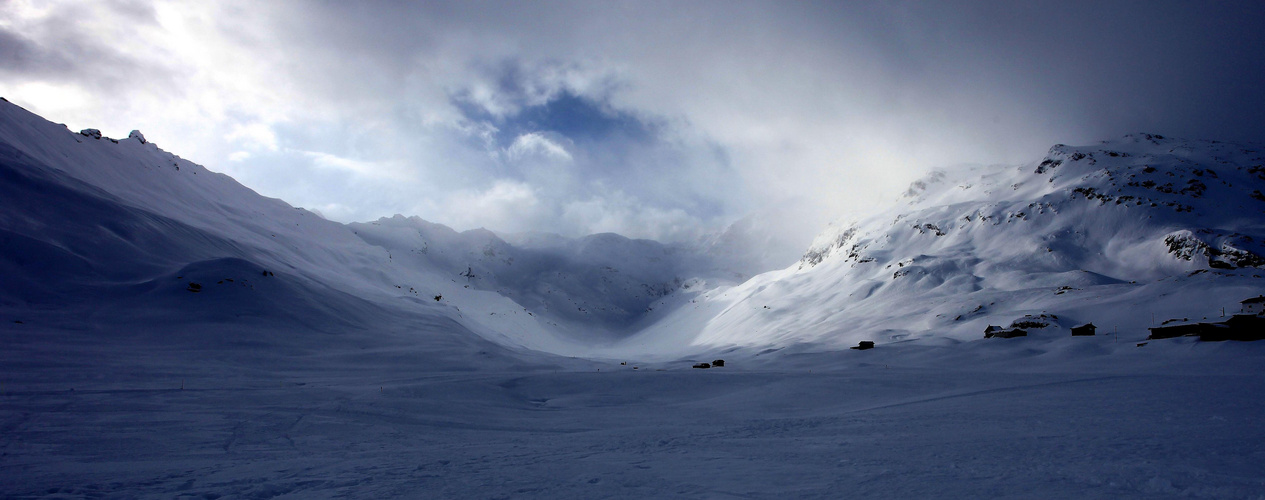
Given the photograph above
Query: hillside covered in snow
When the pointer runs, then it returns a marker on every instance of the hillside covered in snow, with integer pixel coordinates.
(89, 215)
(1121, 234)
(170, 333)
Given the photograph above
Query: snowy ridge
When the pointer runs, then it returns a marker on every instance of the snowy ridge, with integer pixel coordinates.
(1108, 233)
(96, 228)
(1111, 233)
(129, 212)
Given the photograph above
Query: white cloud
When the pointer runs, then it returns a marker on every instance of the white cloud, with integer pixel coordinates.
(536, 144)
(503, 206)
(616, 212)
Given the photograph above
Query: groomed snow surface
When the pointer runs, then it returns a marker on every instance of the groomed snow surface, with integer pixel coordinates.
(167, 333)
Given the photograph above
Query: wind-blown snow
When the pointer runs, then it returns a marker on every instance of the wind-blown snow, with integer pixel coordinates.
(169, 333)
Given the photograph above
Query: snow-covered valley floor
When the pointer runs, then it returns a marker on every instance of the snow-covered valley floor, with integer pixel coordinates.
(1025, 418)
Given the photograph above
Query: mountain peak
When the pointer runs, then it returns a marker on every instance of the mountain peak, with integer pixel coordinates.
(1088, 232)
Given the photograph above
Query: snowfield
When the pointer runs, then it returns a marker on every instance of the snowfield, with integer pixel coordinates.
(1173, 419)
(168, 333)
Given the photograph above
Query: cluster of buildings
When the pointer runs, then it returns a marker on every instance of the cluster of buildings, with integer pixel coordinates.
(1249, 324)
(1087, 329)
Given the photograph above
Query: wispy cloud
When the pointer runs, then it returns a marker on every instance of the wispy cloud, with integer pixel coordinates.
(359, 167)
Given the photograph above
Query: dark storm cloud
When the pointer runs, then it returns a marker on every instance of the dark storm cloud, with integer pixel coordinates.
(21, 55)
(63, 47)
(68, 58)
(1092, 68)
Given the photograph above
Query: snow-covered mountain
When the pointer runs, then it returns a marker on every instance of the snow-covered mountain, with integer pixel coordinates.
(1121, 234)
(118, 235)
(87, 216)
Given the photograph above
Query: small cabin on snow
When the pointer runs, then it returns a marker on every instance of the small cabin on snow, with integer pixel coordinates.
(1254, 305)
(1085, 330)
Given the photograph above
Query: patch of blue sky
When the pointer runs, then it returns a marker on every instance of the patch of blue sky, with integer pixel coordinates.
(581, 119)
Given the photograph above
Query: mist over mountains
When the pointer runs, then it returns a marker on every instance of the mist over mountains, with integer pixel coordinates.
(1105, 233)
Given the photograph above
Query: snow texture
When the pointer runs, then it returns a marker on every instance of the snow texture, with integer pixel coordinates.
(169, 333)
(1112, 234)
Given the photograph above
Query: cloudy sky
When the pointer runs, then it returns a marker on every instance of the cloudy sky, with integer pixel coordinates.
(652, 119)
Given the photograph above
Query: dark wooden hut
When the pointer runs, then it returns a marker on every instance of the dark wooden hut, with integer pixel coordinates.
(1004, 333)
(1180, 330)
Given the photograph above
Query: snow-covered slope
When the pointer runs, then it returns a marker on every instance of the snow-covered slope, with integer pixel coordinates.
(1113, 233)
(119, 236)
(83, 212)
(1122, 234)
